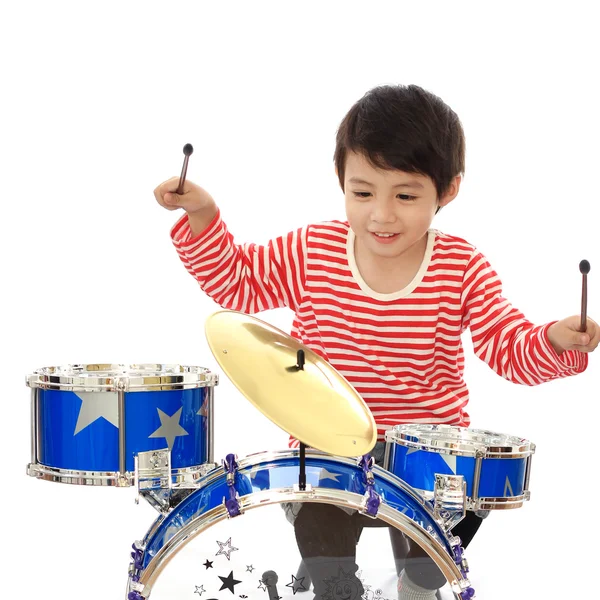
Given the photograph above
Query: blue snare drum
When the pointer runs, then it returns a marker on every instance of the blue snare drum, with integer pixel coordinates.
(204, 545)
(495, 467)
(89, 422)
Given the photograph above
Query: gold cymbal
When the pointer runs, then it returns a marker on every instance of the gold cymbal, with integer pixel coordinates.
(314, 404)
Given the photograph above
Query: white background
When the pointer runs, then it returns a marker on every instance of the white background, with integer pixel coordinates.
(98, 100)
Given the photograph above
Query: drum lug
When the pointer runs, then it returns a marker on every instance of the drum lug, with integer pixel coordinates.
(232, 504)
(371, 499)
(135, 588)
(449, 499)
(153, 478)
(467, 591)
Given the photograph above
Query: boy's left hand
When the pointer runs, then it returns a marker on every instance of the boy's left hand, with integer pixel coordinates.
(565, 335)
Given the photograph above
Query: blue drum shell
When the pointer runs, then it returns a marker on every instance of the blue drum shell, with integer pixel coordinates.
(95, 447)
(500, 477)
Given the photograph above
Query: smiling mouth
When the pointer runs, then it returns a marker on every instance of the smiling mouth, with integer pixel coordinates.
(384, 235)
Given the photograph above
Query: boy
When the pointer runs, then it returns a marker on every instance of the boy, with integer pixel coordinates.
(383, 297)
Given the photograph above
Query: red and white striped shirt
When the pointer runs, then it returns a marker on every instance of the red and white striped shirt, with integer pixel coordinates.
(402, 352)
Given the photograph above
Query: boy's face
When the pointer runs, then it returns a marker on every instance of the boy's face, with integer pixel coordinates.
(383, 202)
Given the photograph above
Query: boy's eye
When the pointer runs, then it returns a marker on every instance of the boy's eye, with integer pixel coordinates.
(403, 197)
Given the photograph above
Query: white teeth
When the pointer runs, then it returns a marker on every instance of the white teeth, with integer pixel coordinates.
(385, 234)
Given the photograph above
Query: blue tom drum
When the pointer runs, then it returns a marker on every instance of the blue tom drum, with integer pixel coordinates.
(89, 422)
(495, 467)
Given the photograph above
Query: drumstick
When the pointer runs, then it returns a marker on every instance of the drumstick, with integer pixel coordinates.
(584, 268)
(187, 150)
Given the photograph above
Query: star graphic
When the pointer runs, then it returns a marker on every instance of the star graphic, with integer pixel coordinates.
(249, 568)
(229, 582)
(203, 412)
(450, 460)
(199, 590)
(262, 585)
(325, 474)
(226, 549)
(252, 473)
(297, 585)
(169, 428)
(208, 564)
(95, 406)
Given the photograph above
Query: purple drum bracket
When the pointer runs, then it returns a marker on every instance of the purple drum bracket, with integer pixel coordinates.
(371, 500)
(232, 504)
(463, 565)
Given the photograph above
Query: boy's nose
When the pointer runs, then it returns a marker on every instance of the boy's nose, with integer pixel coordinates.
(383, 212)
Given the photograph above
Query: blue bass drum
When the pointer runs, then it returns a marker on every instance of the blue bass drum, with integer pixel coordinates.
(495, 467)
(230, 533)
(89, 422)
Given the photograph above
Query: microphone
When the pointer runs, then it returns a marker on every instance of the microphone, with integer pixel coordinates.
(270, 579)
(584, 268)
(187, 151)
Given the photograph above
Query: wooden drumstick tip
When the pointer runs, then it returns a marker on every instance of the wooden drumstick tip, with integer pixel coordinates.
(584, 267)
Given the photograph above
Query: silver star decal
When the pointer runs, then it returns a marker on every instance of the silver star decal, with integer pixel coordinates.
(450, 460)
(96, 405)
(254, 472)
(325, 474)
(203, 412)
(170, 427)
(199, 590)
(226, 549)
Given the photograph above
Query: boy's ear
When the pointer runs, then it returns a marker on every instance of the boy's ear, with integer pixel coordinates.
(451, 192)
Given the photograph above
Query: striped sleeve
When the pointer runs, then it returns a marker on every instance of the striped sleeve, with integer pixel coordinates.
(248, 278)
(503, 338)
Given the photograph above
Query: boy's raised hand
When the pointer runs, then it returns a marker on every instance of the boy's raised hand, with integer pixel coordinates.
(565, 335)
(193, 200)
